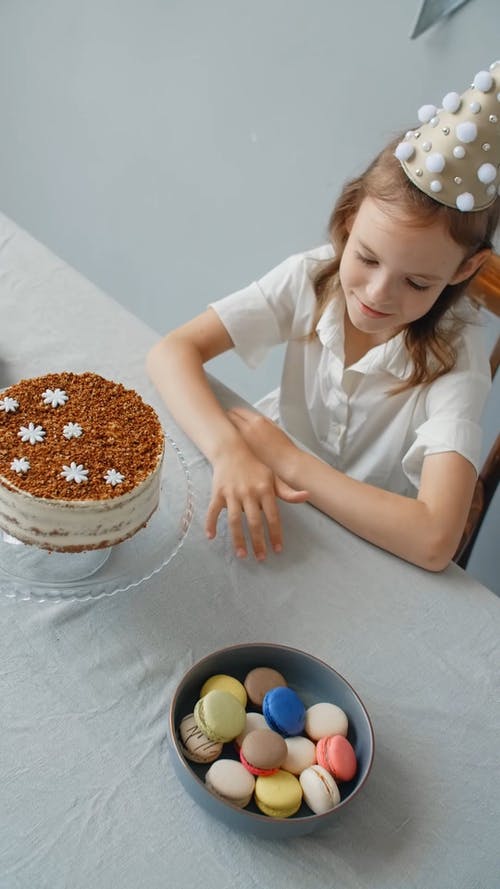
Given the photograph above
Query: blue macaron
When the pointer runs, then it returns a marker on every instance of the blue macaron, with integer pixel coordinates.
(283, 711)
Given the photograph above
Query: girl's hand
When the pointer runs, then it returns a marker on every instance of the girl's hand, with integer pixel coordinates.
(265, 439)
(245, 486)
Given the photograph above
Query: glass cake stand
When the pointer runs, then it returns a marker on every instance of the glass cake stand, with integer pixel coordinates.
(31, 573)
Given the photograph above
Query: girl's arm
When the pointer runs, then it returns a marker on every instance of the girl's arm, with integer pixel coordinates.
(242, 483)
(425, 531)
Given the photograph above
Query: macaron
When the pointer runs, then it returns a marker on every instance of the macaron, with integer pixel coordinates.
(337, 755)
(253, 721)
(222, 682)
(220, 716)
(263, 752)
(284, 711)
(231, 782)
(278, 795)
(194, 744)
(325, 719)
(301, 753)
(259, 681)
(319, 788)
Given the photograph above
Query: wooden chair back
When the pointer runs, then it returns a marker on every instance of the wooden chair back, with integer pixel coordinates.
(485, 289)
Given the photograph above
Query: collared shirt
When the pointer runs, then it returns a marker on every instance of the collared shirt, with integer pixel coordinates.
(344, 414)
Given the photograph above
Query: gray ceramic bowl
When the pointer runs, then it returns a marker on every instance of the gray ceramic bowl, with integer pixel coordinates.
(314, 681)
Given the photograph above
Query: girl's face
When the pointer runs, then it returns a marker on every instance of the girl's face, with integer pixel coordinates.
(392, 273)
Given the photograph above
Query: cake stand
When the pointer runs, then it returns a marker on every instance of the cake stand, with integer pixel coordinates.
(31, 573)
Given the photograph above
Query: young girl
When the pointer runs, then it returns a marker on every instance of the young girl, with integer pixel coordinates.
(376, 421)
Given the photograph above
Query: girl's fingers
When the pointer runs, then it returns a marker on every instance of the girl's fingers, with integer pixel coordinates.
(234, 521)
(289, 494)
(239, 414)
(257, 510)
(236, 420)
(271, 512)
(235, 525)
(256, 528)
(215, 507)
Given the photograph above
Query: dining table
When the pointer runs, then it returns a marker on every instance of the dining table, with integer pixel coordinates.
(88, 793)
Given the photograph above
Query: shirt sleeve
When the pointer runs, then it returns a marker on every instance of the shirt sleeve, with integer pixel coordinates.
(453, 407)
(261, 315)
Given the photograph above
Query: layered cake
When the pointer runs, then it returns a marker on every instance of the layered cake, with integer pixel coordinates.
(80, 461)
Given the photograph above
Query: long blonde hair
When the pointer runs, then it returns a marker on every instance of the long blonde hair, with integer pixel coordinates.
(429, 345)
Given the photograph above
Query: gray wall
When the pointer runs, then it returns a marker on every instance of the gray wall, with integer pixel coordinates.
(173, 151)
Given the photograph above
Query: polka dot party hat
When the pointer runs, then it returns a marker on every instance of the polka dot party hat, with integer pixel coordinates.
(454, 156)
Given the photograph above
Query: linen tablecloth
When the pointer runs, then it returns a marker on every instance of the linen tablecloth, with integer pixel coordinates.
(88, 792)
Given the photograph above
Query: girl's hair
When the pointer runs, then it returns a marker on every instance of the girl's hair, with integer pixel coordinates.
(429, 345)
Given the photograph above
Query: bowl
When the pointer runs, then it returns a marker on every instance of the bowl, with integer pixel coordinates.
(314, 681)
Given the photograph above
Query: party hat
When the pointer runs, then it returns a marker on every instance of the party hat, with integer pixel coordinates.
(454, 156)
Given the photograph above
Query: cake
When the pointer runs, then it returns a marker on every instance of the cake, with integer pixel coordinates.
(80, 461)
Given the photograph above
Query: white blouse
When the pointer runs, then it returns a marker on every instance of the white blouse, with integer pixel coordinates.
(344, 414)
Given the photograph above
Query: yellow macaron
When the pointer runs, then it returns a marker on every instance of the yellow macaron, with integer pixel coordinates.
(278, 795)
(221, 682)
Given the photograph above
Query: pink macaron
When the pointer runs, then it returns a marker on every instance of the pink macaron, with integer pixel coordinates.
(337, 756)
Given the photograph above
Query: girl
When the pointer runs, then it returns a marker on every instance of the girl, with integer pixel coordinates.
(376, 421)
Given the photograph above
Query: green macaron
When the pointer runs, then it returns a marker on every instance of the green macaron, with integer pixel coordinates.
(220, 716)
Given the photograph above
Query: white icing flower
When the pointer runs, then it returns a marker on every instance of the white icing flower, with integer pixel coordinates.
(20, 464)
(72, 430)
(54, 397)
(8, 404)
(74, 473)
(113, 477)
(33, 434)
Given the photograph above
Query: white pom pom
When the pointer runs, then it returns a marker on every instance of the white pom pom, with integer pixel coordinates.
(452, 102)
(486, 173)
(435, 162)
(404, 151)
(459, 151)
(475, 107)
(483, 81)
(425, 112)
(491, 190)
(465, 201)
(466, 132)
(436, 185)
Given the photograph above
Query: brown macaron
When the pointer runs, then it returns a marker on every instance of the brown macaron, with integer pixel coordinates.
(259, 681)
(263, 752)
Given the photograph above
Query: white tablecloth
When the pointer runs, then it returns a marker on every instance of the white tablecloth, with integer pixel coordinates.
(88, 792)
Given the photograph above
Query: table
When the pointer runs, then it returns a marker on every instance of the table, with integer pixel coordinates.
(88, 792)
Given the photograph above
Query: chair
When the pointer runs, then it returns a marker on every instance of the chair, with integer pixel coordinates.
(485, 289)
